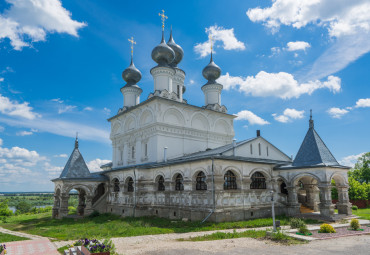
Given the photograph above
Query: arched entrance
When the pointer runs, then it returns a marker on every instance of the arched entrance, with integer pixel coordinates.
(340, 184)
(310, 193)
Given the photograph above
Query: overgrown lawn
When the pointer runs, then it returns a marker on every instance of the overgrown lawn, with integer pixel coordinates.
(6, 238)
(108, 225)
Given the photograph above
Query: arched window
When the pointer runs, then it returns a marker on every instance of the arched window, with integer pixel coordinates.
(230, 180)
(258, 181)
(179, 182)
(283, 189)
(161, 186)
(116, 185)
(130, 185)
(201, 182)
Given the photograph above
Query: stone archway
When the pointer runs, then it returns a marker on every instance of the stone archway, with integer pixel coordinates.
(343, 204)
(311, 191)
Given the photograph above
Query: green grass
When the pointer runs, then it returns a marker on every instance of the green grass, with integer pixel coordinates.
(108, 225)
(62, 249)
(220, 235)
(5, 238)
(363, 213)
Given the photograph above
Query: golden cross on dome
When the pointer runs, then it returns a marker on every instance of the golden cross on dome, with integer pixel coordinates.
(131, 40)
(210, 40)
(163, 17)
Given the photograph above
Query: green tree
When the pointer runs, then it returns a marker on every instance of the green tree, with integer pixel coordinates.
(4, 209)
(357, 190)
(361, 171)
(23, 207)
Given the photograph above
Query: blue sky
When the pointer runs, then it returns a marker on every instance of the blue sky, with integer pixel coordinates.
(61, 65)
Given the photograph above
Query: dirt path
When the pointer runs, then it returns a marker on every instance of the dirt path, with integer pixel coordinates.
(359, 245)
(15, 233)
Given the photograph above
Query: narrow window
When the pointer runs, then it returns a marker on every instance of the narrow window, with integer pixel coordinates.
(130, 185)
(201, 182)
(116, 185)
(178, 91)
(259, 149)
(161, 186)
(179, 182)
(251, 149)
(121, 154)
(267, 151)
(133, 152)
(258, 181)
(230, 180)
(146, 150)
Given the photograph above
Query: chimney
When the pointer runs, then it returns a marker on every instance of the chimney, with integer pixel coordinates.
(258, 133)
(165, 154)
(234, 145)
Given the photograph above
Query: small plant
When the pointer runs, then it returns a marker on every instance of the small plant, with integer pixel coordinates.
(296, 223)
(95, 246)
(326, 228)
(304, 230)
(355, 224)
(354, 207)
(2, 248)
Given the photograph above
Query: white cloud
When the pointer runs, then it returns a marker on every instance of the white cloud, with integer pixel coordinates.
(20, 157)
(350, 160)
(340, 17)
(28, 21)
(288, 115)
(66, 108)
(24, 133)
(61, 156)
(282, 85)
(88, 108)
(61, 127)
(347, 21)
(363, 102)
(1, 79)
(337, 113)
(58, 100)
(1, 142)
(298, 45)
(53, 171)
(275, 51)
(13, 108)
(106, 110)
(252, 118)
(94, 165)
(219, 34)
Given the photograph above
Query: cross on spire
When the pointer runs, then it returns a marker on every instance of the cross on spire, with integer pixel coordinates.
(163, 18)
(131, 40)
(76, 141)
(311, 125)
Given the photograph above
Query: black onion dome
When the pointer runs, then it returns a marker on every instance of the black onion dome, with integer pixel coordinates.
(131, 74)
(212, 71)
(179, 53)
(162, 54)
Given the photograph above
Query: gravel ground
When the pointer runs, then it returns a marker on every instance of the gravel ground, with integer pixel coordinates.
(359, 245)
(340, 232)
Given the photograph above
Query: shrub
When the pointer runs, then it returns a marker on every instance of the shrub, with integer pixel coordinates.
(355, 207)
(326, 228)
(355, 224)
(94, 214)
(278, 236)
(2, 248)
(296, 223)
(304, 230)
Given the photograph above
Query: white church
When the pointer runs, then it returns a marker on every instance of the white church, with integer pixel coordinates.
(175, 160)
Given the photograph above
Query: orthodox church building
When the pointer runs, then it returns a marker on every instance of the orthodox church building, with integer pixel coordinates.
(175, 160)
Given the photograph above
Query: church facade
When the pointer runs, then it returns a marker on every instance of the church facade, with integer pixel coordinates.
(176, 160)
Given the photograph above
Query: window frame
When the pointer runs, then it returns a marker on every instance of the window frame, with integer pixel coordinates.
(230, 181)
(258, 181)
(200, 181)
(179, 182)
